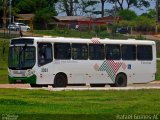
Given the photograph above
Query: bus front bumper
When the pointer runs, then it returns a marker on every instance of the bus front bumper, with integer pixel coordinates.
(30, 80)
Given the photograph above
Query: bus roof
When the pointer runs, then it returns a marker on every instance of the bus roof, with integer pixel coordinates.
(92, 40)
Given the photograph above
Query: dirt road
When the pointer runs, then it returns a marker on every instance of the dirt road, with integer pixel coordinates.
(151, 85)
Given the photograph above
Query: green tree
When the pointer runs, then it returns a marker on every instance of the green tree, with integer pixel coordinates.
(42, 19)
(127, 14)
(143, 21)
(102, 7)
(150, 14)
(131, 3)
(94, 2)
(76, 7)
(44, 10)
(67, 6)
(29, 6)
(4, 11)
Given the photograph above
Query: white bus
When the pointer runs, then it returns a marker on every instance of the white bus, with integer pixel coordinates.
(62, 61)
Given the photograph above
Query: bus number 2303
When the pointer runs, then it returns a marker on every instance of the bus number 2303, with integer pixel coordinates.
(44, 70)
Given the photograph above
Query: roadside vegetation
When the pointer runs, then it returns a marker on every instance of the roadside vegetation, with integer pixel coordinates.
(80, 34)
(79, 105)
(4, 45)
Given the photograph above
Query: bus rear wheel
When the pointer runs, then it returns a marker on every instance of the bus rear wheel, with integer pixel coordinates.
(60, 80)
(120, 81)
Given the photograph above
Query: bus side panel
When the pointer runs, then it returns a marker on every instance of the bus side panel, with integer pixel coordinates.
(82, 71)
(45, 74)
(144, 71)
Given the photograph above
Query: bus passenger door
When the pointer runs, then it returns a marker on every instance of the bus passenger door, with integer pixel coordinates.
(45, 58)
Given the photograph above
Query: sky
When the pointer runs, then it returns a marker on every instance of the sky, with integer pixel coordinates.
(137, 10)
(144, 10)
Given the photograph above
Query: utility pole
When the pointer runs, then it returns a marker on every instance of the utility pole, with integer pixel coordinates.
(4, 14)
(158, 15)
(10, 11)
(158, 11)
(10, 15)
(115, 12)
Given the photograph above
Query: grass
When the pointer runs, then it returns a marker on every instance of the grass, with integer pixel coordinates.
(79, 34)
(158, 48)
(89, 105)
(4, 44)
(158, 70)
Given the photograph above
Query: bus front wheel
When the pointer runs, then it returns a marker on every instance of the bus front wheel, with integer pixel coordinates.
(60, 80)
(120, 81)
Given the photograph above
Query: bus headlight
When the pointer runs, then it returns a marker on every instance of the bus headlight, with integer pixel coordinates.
(9, 72)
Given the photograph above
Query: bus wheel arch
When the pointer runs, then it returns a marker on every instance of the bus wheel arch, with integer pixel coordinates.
(60, 80)
(120, 80)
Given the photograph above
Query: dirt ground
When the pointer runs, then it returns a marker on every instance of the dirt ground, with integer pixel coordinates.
(154, 84)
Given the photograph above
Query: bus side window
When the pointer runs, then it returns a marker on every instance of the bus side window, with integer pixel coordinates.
(62, 51)
(79, 51)
(144, 52)
(128, 52)
(113, 52)
(44, 53)
(96, 52)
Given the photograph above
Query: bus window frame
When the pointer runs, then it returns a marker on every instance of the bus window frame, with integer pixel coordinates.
(135, 52)
(120, 52)
(45, 61)
(145, 59)
(104, 56)
(87, 46)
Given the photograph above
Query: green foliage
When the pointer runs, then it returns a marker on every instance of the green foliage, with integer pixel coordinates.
(143, 21)
(80, 34)
(131, 3)
(44, 10)
(31, 6)
(158, 67)
(127, 14)
(4, 45)
(42, 19)
(125, 23)
(140, 37)
(151, 14)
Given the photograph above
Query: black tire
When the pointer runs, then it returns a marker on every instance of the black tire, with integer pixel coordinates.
(120, 81)
(60, 80)
(97, 85)
(112, 85)
(34, 85)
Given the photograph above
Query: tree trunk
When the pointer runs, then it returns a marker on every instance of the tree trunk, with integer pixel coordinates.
(68, 5)
(4, 14)
(120, 4)
(102, 10)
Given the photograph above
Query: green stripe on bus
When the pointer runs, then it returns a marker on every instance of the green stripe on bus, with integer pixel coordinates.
(30, 80)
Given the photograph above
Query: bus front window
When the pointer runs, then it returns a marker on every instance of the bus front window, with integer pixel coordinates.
(21, 57)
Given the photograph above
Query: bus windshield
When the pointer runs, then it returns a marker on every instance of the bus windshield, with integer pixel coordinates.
(21, 57)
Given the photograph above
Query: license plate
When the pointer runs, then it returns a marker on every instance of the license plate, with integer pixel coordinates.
(18, 81)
